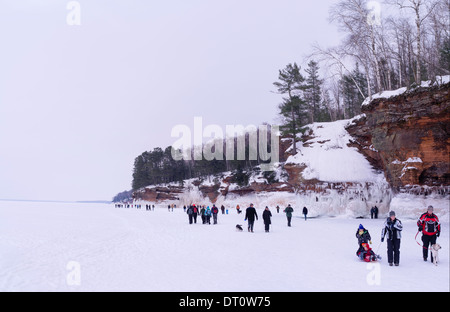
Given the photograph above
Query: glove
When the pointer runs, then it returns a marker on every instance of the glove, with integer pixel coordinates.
(370, 242)
(245, 219)
(420, 229)
(438, 233)
(382, 239)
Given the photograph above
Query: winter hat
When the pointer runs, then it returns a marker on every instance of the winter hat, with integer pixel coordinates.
(430, 208)
(360, 227)
(392, 213)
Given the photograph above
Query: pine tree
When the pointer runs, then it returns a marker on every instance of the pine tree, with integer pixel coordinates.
(291, 83)
(352, 98)
(312, 92)
(295, 114)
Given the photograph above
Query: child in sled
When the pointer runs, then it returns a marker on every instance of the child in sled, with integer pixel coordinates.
(364, 252)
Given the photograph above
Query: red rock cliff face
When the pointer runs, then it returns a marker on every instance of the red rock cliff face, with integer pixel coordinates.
(407, 137)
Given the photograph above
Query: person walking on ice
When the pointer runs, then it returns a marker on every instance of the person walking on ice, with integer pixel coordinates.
(393, 228)
(190, 213)
(430, 227)
(305, 212)
(215, 212)
(250, 215)
(289, 210)
(208, 215)
(266, 217)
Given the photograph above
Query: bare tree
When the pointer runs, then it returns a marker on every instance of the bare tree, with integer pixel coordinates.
(421, 9)
(335, 57)
(352, 17)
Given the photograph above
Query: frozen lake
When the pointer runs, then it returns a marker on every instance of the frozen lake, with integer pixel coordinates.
(96, 247)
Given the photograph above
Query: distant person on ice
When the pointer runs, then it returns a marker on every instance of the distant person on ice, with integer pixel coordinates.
(250, 215)
(393, 228)
(203, 214)
(208, 215)
(215, 212)
(430, 227)
(305, 212)
(266, 217)
(289, 210)
(195, 213)
(190, 213)
(374, 212)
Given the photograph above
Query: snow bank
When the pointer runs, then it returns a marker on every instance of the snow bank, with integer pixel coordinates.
(328, 157)
(412, 206)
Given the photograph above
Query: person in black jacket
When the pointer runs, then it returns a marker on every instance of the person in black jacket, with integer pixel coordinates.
(266, 217)
(374, 212)
(305, 212)
(190, 213)
(393, 228)
(363, 237)
(250, 215)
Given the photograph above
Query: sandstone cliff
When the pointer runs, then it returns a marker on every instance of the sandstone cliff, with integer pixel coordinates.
(407, 137)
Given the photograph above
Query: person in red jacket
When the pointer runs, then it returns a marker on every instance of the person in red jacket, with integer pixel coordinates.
(430, 227)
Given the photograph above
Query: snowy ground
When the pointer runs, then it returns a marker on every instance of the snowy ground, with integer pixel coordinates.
(95, 247)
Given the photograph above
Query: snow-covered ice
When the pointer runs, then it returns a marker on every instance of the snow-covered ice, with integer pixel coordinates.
(96, 247)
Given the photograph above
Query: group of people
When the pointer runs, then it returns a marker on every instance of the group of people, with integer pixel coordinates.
(137, 206)
(205, 212)
(428, 224)
(250, 214)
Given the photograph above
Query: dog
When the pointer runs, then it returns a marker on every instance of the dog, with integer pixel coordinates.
(435, 253)
(239, 228)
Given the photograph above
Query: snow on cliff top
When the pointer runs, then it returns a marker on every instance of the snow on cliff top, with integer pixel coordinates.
(327, 156)
(440, 80)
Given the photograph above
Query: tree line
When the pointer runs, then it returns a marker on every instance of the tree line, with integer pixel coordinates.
(158, 166)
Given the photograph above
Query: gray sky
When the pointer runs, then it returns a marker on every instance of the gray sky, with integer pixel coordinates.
(79, 103)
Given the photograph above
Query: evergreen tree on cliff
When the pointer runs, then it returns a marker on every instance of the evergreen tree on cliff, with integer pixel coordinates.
(313, 91)
(291, 83)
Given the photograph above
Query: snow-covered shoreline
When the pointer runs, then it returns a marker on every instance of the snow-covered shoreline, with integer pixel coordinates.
(345, 183)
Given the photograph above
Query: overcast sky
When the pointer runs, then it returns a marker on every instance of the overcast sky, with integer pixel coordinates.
(79, 103)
